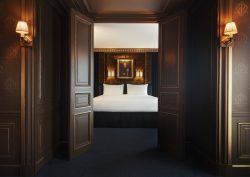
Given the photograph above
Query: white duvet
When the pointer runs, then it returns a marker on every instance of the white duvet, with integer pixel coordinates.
(126, 103)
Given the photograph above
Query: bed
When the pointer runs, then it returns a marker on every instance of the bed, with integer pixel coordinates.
(116, 109)
(126, 103)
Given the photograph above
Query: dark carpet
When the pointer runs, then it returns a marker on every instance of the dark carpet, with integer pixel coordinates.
(123, 152)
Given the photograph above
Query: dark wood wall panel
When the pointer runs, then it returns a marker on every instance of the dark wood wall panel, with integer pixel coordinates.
(202, 130)
(148, 62)
(241, 84)
(170, 100)
(243, 140)
(47, 81)
(82, 100)
(170, 62)
(82, 134)
(82, 68)
(80, 118)
(10, 89)
(168, 122)
(241, 136)
(10, 69)
(10, 139)
(171, 85)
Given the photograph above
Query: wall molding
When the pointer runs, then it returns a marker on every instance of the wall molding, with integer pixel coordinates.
(129, 50)
(4, 114)
(241, 114)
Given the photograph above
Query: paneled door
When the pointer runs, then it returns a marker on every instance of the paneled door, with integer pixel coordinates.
(81, 84)
(171, 85)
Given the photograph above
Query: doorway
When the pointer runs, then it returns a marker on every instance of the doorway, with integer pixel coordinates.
(73, 136)
(122, 42)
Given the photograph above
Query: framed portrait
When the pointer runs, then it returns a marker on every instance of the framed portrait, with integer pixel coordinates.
(125, 68)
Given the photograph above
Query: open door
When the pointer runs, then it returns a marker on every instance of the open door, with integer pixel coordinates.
(171, 85)
(81, 84)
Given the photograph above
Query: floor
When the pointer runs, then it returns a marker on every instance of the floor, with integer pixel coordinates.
(123, 152)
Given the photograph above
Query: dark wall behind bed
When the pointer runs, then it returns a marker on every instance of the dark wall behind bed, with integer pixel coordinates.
(146, 61)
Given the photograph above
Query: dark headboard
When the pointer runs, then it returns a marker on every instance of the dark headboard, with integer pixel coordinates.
(148, 62)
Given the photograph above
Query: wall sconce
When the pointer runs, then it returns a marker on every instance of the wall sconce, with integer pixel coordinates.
(111, 73)
(25, 38)
(229, 31)
(139, 74)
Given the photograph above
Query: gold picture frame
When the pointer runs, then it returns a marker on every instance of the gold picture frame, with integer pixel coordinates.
(125, 68)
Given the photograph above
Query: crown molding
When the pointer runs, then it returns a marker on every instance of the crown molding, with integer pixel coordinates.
(127, 50)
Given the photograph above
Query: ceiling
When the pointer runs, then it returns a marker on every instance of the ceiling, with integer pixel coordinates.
(126, 6)
(126, 35)
(137, 10)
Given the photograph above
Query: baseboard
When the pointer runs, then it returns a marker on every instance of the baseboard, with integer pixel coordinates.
(43, 160)
(9, 170)
(236, 170)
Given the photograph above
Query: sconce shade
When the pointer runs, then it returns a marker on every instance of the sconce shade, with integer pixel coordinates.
(111, 73)
(137, 73)
(141, 73)
(22, 28)
(230, 29)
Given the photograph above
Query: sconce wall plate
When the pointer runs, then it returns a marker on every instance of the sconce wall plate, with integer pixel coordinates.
(26, 41)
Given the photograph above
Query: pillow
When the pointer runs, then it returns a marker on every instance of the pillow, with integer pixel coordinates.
(113, 89)
(137, 89)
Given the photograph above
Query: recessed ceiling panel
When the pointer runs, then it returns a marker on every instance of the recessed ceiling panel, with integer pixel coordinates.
(126, 6)
(126, 35)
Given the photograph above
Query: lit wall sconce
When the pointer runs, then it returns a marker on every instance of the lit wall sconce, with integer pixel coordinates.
(139, 74)
(111, 73)
(229, 31)
(25, 38)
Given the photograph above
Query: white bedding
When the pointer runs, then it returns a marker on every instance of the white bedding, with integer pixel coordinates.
(126, 103)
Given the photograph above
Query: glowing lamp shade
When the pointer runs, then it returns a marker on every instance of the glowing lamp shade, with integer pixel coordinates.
(22, 28)
(141, 73)
(137, 73)
(230, 29)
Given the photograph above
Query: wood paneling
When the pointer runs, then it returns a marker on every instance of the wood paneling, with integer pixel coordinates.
(10, 139)
(82, 66)
(241, 65)
(243, 140)
(48, 47)
(171, 60)
(170, 100)
(171, 85)
(82, 130)
(241, 85)
(240, 142)
(7, 135)
(82, 100)
(10, 89)
(10, 143)
(148, 62)
(80, 119)
(202, 128)
(9, 56)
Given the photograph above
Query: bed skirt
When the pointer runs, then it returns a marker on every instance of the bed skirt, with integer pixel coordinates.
(125, 119)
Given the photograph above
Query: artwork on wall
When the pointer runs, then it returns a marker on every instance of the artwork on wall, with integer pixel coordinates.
(125, 68)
